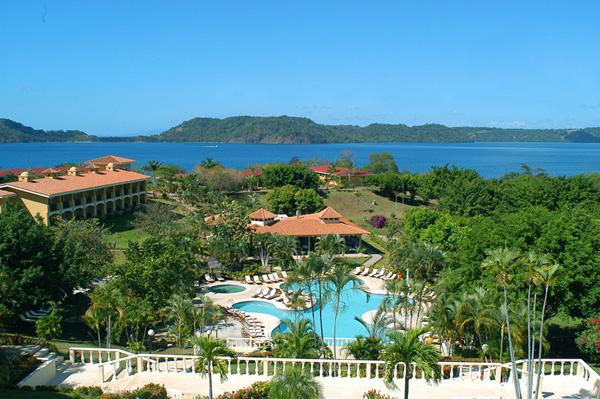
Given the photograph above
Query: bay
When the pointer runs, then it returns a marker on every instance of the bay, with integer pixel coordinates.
(488, 159)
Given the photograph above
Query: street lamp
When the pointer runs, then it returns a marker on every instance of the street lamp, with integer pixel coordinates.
(151, 334)
(485, 348)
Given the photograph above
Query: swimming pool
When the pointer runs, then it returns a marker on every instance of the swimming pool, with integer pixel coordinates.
(347, 327)
(227, 289)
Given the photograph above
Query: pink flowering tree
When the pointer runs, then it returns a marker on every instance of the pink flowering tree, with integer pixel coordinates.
(589, 340)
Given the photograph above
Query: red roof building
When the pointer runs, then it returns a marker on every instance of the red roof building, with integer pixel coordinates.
(351, 176)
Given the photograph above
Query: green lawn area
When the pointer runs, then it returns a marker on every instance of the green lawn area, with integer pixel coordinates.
(122, 231)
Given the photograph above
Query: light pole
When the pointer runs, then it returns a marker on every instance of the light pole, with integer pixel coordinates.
(150, 334)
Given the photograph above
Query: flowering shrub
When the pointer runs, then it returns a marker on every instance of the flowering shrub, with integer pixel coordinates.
(258, 390)
(378, 221)
(589, 340)
(373, 394)
(20, 340)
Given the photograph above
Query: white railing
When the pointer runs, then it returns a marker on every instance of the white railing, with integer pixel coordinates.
(339, 342)
(116, 363)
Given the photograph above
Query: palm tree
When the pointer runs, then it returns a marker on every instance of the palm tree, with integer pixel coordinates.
(393, 289)
(295, 383)
(331, 244)
(342, 284)
(407, 349)
(209, 351)
(547, 276)
(304, 277)
(284, 248)
(107, 301)
(502, 261)
(179, 309)
(299, 342)
(379, 323)
(209, 163)
(152, 166)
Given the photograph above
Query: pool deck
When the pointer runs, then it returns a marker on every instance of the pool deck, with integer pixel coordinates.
(233, 328)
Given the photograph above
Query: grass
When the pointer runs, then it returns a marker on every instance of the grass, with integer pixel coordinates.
(122, 231)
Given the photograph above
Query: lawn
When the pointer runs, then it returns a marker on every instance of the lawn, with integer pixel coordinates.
(122, 231)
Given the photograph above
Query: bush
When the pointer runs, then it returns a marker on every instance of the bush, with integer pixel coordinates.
(589, 340)
(49, 326)
(373, 394)
(378, 221)
(20, 340)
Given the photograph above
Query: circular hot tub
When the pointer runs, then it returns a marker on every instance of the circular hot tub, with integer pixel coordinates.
(227, 289)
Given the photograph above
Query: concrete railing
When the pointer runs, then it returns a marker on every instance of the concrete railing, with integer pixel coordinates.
(115, 363)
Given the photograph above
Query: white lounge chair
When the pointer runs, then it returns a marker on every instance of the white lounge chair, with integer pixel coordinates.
(387, 276)
(381, 273)
(277, 276)
(208, 278)
(272, 294)
(373, 273)
(284, 274)
(357, 270)
(257, 293)
(219, 277)
(266, 278)
(249, 280)
(365, 272)
(273, 278)
(257, 280)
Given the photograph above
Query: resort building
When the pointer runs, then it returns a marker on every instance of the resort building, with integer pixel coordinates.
(308, 227)
(106, 189)
(348, 176)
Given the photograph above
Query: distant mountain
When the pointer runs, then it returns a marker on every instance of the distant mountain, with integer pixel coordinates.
(294, 130)
(14, 132)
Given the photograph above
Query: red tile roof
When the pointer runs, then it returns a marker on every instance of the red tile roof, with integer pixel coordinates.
(67, 184)
(262, 214)
(247, 173)
(4, 194)
(329, 213)
(311, 225)
(36, 171)
(110, 159)
(340, 171)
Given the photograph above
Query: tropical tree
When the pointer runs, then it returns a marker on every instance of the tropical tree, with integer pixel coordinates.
(295, 383)
(209, 163)
(330, 244)
(152, 166)
(408, 348)
(394, 289)
(379, 324)
(299, 342)
(284, 248)
(209, 351)
(502, 262)
(179, 309)
(107, 305)
(341, 285)
(304, 278)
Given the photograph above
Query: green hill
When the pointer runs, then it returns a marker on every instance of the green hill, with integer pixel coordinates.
(292, 130)
(14, 132)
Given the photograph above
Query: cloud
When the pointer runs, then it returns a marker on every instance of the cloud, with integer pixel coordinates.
(29, 89)
(508, 124)
(301, 107)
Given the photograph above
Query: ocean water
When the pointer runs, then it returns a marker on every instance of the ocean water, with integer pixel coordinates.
(488, 159)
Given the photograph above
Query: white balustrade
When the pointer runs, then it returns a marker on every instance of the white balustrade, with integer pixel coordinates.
(112, 362)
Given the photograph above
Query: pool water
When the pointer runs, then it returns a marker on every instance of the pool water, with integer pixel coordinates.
(227, 289)
(347, 327)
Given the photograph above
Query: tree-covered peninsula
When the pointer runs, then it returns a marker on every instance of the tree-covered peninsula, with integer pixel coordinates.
(295, 130)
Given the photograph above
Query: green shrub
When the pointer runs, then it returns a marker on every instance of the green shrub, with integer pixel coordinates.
(49, 326)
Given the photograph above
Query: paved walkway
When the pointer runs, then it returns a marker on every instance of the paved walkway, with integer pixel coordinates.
(190, 385)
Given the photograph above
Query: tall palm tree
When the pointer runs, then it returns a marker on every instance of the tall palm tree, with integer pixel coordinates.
(304, 277)
(407, 348)
(284, 248)
(299, 342)
(209, 351)
(379, 323)
(153, 167)
(393, 289)
(503, 261)
(179, 309)
(209, 163)
(341, 284)
(107, 303)
(547, 276)
(295, 383)
(331, 244)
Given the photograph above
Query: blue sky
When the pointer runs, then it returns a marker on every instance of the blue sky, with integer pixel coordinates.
(125, 67)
